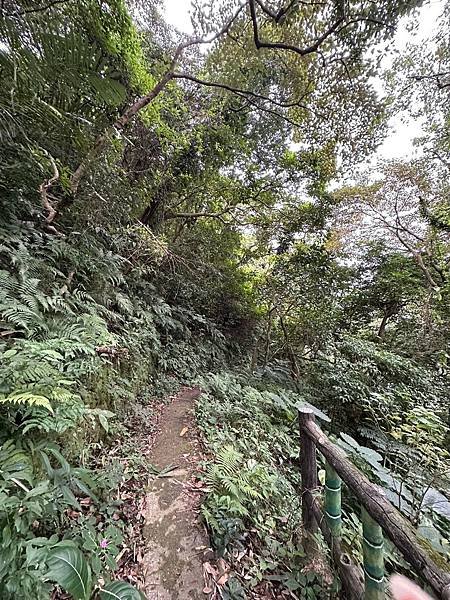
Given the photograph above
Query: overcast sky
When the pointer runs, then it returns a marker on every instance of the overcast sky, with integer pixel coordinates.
(399, 142)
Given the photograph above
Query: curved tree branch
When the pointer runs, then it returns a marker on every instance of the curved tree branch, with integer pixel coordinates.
(27, 11)
(248, 95)
(239, 91)
(311, 49)
(198, 215)
(277, 16)
(43, 191)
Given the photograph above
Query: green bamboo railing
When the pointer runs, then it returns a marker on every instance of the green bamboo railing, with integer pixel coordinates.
(378, 516)
(373, 558)
(332, 505)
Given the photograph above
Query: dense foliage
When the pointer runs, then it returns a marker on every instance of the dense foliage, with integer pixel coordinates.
(173, 210)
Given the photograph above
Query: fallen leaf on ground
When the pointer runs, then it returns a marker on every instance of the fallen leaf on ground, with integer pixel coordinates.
(222, 566)
(222, 580)
(208, 568)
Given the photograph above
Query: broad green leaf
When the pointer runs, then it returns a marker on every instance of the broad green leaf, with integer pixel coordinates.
(9, 353)
(84, 488)
(69, 569)
(104, 422)
(69, 497)
(6, 536)
(317, 412)
(41, 488)
(348, 438)
(120, 590)
(60, 458)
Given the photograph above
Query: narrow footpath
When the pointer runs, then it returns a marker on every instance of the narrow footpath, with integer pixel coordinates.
(176, 542)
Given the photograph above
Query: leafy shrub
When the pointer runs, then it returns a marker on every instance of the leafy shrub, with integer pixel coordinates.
(252, 502)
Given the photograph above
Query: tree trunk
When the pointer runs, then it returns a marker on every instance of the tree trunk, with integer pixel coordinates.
(268, 332)
(391, 309)
(153, 215)
(295, 371)
(254, 361)
(120, 123)
(351, 576)
(382, 328)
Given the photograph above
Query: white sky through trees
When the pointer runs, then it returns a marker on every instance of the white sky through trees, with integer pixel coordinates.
(399, 142)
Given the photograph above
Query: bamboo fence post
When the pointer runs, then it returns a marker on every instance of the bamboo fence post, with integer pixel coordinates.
(373, 558)
(351, 575)
(332, 506)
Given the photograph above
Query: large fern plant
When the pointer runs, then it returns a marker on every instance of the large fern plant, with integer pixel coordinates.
(46, 349)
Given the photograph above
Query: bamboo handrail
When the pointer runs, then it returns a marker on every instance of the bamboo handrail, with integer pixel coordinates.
(380, 515)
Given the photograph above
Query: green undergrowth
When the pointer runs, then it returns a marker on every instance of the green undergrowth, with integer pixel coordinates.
(252, 508)
(87, 357)
(253, 505)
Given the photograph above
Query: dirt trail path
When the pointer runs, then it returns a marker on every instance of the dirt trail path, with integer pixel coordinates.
(176, 541)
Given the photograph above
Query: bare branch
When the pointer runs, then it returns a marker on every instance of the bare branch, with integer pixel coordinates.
(247, 94)
(215, 36)
(273, 112)
(436, 77)
(277, 16)
(289, 47)
(43, 191)
(339, 25)
(443, 160)
(27, 11)
(199, 215)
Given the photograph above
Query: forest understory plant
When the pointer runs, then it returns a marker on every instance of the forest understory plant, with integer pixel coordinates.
(252, 507)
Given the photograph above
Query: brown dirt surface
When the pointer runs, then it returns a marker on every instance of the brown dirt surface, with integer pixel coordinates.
(177, 544)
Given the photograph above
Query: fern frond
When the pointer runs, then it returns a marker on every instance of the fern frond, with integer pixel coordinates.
(28, 398)
(66, 416)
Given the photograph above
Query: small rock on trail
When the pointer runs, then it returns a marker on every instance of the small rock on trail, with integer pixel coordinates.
(176, 541)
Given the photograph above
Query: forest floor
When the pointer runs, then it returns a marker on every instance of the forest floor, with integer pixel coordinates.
(177, 545)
